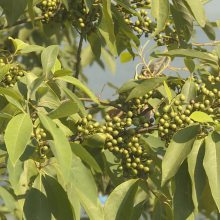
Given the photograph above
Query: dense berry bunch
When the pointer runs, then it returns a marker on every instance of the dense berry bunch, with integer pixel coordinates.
(123, 139)
(39, 134)
(14, 73)
(83, 19)
(87, 126)
(50, 9)
(178, 113)
(43, 148)
(169, 36)
(174, 117)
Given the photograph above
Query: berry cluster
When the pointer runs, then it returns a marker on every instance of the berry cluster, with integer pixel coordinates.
(50, 9)
(87, 126)
(141, 24)
(176, 115)
(123, 140)
(169, 37)
(39, 134)
(14, 74)
(85, 20)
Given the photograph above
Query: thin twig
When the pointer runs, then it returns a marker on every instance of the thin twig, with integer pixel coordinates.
(177, 68)
(78, 58)
(214, 43)
(23, 21)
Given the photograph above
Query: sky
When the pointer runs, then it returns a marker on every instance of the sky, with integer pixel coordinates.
(98, 78)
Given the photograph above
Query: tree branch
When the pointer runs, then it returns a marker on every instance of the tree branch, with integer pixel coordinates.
(78, 58)
(23, 21)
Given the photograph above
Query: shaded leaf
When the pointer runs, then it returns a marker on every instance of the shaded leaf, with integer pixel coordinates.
(83, 184)
(196, 171)
(36, 206)
(182, 201)
(119, 204)
(85, 156)
(144, 86)
(177, 151)
(57, 199)
(211, 164)
(66, 109)
(13, 10)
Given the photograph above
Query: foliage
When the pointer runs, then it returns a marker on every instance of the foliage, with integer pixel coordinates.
(153, 151)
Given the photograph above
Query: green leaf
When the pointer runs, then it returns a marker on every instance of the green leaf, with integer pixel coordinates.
(189, 90)
(106, 26)
(85, 156)
(178, 149)
(182, 200)
(153, 142)
(144, 86)
(57, 199)
(95, 43)
(13, 10)
(36, 206)
(13, 97)
(84, 186)
(8, 199)
(31, 10)
(125, 57)
(192, 53)
(65, 2)
(196, 171)
(128, 86)
(160, 11)
(198, 11)
(17, 136)
(59, 73)
(18, 44)
(199, 116)
(95, 140)
(14, 174)
(75, 99)
(217, 127)
(211, 164)
(56, 67)
(49, 57)
(183, 20)
(109, 60)
(61, 147)
(66, 109)
(209, 30)
(79, 85)
(121, 200)
(189, 64)
(22, 47)
(168, 92)
(4, 70)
